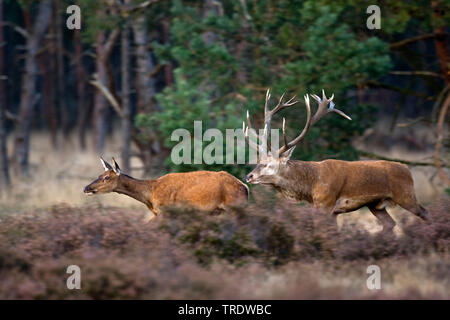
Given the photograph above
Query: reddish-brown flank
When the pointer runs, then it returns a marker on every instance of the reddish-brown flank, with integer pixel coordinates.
(204, 190)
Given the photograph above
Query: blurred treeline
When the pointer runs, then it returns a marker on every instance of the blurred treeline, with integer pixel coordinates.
(146, 68)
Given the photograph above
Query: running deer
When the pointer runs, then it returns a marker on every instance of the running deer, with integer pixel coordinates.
(204, 190)
(333, 186)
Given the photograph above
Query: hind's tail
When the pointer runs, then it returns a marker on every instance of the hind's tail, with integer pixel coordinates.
(244, 188)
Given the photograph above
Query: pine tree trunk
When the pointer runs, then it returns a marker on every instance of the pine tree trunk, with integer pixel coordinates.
(51, 110)
(145, 86)
(145, 65)
(22, 135)
(168, 68)
(104, 49)
(48, 96)
(440, 40)
(126, 106)
(65, 117)
(99, 100)
(4, 169)
(83, 109)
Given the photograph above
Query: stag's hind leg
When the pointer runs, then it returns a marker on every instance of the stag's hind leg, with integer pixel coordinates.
(412, 206)
(383, 216)
(419, 211)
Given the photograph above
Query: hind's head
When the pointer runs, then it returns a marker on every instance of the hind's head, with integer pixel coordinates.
(107, 181)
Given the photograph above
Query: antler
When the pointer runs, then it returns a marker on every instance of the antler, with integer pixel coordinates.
(246, 130)
(294, 142)
(322, 110)
(268, 114)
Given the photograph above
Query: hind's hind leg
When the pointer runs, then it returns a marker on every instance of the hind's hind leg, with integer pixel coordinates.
(383, 216)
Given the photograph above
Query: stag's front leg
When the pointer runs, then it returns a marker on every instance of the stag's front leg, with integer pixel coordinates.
(327, 209)
(383, 216)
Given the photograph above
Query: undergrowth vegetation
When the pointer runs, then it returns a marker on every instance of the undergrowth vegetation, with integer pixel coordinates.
(269, 250)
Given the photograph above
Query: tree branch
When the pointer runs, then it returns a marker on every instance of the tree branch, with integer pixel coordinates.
(375, 84)
(11, 116)
(404, 42)
(371, 155)
(105, 91)
(416, 73)
(126, 10)
(109, 44)
(16, 28)
(155, 70)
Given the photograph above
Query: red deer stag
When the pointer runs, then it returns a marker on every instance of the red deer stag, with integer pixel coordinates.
(204, 190)
(333, 186)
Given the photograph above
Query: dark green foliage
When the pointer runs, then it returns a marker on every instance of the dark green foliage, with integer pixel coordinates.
(292, 46)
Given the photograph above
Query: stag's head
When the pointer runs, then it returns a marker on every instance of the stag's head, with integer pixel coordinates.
(271, 162)
(107, 181)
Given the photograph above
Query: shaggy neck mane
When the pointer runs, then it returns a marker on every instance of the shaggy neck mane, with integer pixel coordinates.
(135, 188)
(296, 180)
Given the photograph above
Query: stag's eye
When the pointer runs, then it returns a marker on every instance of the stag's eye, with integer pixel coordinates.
(107, 178)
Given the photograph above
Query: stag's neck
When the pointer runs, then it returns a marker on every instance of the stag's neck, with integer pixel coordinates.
(296, 180)
(135, 188)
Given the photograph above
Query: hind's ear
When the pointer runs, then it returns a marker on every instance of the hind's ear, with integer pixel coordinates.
(116, 167)
(106, 165)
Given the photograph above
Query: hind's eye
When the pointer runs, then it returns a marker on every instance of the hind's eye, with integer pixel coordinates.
(107, 177)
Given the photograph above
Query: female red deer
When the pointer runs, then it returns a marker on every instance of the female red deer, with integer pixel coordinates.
(333, 186)
(204, 190)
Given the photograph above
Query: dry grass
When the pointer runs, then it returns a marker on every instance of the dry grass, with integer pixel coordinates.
(58, 176)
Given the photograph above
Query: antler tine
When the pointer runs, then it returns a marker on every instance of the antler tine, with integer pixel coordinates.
(291, 101)
(251, 143)
(266, 105)
(284, 132)
(266, 120)
(268, 114)
(294, 142)
(281, 105)
(323, 109)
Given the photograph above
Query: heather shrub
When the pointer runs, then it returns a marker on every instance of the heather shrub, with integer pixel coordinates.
(277, 235)
(266, 250)
(235, 238)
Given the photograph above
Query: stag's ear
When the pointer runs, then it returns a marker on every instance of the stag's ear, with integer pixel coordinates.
(116, 167)
(287, 154)
(106, 165)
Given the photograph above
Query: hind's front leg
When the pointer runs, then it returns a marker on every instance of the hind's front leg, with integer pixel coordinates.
(150, 215)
